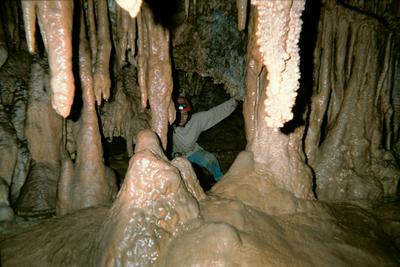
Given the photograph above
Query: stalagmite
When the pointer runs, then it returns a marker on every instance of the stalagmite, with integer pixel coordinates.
(152, 207)
(55, 20)
(278, 31)
(92, 182)
(38, 193)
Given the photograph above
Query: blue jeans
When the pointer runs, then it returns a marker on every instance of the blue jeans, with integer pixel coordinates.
(207, 160)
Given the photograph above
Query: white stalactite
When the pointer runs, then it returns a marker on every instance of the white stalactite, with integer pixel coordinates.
(132, 6)
(278, 32)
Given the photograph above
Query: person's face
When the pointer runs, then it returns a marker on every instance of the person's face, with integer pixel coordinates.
(184, 118)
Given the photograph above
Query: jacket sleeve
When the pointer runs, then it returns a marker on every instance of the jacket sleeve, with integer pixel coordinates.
(209, 118)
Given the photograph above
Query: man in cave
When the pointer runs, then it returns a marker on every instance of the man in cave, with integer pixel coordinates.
(188, 129)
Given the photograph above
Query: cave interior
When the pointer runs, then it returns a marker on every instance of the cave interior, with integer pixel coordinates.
(310, 156)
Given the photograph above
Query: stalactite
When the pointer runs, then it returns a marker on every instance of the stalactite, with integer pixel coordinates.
(142, 59)
(98, 28)
(55, 20)
(92, 182)
(347, 143)
(187, 7)
(132, 6)
(132, 41)
(92, 30)
(29, 15)
(122, 35)
(124, 115)
(155, 74)
(102, 82)
(278, 31)
(242, 13)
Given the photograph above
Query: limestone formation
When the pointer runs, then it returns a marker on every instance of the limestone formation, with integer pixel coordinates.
(55, 21)
(86, 182)
(316, 185)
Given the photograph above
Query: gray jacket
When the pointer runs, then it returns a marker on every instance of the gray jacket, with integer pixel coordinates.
(184, 139)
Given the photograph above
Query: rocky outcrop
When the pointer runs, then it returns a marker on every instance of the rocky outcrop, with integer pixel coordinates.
(348, 141)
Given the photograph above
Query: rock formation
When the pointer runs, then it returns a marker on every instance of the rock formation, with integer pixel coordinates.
(316, 185)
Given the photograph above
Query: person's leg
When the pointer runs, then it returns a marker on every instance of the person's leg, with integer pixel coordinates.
(207, 160)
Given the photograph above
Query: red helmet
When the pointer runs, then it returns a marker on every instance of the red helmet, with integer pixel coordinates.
(184, 104)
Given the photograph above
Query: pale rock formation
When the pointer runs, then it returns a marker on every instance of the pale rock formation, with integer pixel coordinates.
(155, 72)
(277, 155)
(131, 6)
(86, 182)
(55, 21)
(278, 29)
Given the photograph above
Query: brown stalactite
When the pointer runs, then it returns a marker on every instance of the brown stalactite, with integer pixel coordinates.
(29, 15)
(142, 58)
(124, 115)
(122, 35)
(92, 30)
(55, 20)
(242, 13)
(92, 183)
(155, 73)
(102, 82)
(57, 23)
(124, 38)
(132, 32)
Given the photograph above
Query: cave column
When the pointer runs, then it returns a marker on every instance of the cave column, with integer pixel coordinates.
(277, 154)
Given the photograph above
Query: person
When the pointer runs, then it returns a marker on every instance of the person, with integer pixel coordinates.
(189, 127)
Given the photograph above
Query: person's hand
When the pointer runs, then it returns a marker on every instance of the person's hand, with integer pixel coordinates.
(239, 96)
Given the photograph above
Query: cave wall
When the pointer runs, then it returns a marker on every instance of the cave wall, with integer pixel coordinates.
(207, 43)
(348, 141)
